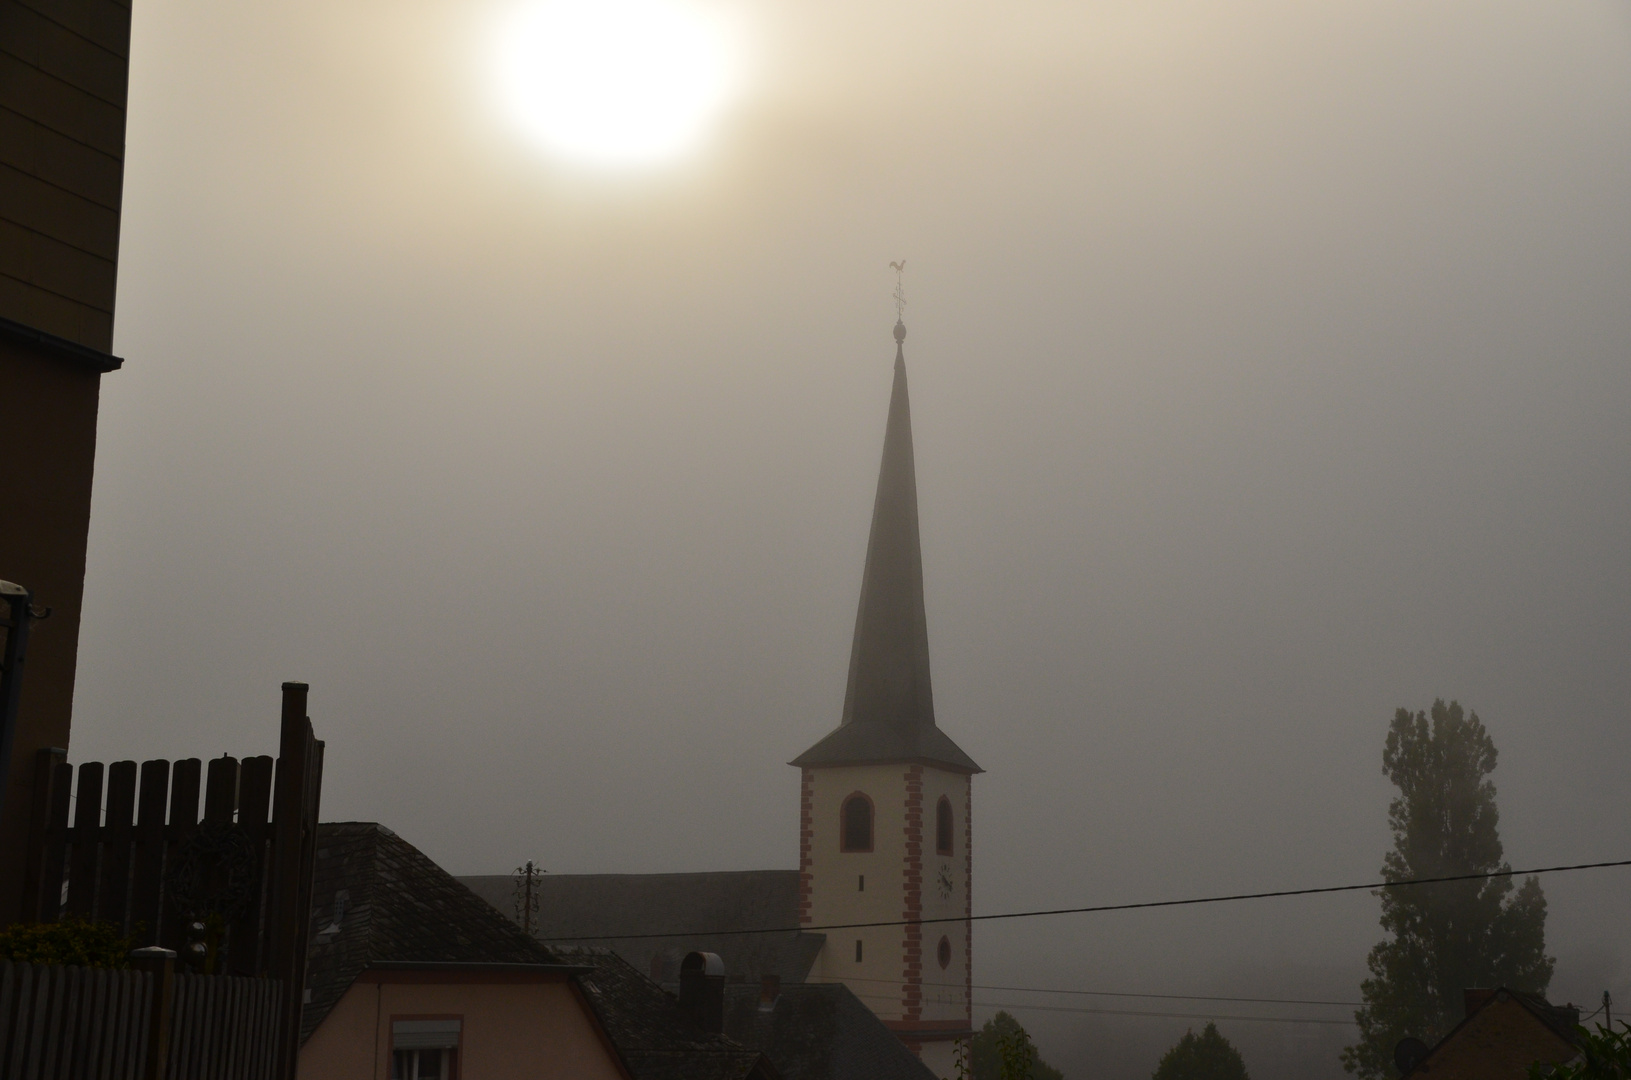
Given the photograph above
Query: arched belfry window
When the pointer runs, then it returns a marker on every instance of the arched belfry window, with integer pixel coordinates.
(942, 826)
(856, 831)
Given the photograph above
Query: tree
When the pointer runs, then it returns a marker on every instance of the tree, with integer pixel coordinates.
(1450, 936)
(1002, 1050)
(1603, 1056)
(1207, 1056)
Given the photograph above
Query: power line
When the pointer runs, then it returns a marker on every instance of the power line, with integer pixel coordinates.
(1096, 908)
(1114, 993)
(1165, 1015)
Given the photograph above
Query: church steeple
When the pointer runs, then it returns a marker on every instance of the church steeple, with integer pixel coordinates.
(889, 702)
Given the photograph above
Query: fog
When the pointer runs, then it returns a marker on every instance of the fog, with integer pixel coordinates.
(1269, 370)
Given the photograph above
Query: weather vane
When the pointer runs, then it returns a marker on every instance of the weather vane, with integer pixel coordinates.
(900, 289)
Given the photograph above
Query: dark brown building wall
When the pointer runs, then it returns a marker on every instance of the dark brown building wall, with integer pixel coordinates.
(64, 69)
(47, 451)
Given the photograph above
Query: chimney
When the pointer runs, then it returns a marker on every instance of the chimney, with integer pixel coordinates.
(770, 988)
(702, 989)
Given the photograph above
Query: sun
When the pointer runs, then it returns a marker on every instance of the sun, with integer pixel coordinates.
(616, 82)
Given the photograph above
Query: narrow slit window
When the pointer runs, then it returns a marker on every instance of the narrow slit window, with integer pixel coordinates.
(857, 950)
(942, 826)
(857, 831)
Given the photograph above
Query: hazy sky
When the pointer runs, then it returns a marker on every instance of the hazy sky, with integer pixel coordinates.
(1269, 370)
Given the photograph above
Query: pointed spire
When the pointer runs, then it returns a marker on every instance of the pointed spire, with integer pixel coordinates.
(889, 702)
(889, 659)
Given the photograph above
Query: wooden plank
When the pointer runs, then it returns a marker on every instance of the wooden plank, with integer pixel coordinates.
(73, 982)
(100, 1020)
(106, 24)
(221, 794)
(183, 1039)
(203, 1027)
(140, 991)
(182, 1043)
(184, 784)
(8, 1005)
(260, 1031)
(232, 1064)
(118, 833)
(58, 51)
(76, 1061)
(60, 161)
(50, 1019)
(21, 1013)
(41, 807)
(141, 1016)
(88, 324)
(147, 875)
(27, 1006)
(227, 1024)
(245, 950)
(286, 914)
(119, 1004)
(54, 265)
(55, 856)
(253, 1024)
(215, 1022)
(111, 1016)
(216, 1026)
(86, 841)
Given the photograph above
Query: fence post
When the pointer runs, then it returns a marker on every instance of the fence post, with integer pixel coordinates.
(161, 964)
(294, 827)
(40, 837)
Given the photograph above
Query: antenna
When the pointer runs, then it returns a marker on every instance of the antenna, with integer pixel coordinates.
(900, 289)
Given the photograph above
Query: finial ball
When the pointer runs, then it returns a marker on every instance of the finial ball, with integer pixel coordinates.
(900, 331)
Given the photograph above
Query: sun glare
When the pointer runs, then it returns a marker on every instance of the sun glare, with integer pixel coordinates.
(615, 82)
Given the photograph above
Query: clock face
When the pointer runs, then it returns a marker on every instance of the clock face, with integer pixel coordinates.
(944, 882)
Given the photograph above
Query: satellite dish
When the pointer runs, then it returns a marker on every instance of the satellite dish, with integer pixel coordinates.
(1408, 1054)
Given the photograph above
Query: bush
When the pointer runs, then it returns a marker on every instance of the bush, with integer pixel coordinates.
(1605, 1055)
(78, 942)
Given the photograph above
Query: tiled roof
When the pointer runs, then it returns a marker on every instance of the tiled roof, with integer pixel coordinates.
(596, 908)
(656, 1039)
(376, 897)
(819, 1031)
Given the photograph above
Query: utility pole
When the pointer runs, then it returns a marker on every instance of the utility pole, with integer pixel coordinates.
(526, 896)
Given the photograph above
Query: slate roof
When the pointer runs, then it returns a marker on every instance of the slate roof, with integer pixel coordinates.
(376, 897)
(600, 907)
(656, 1039)
(889, 700)
(819, 1031)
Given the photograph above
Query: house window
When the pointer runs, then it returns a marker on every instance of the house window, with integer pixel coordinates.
(943, 954)
(862, 887)
(425, 1049)
(857, 950)
(422, 1064)
(942, 826)
(857, 823)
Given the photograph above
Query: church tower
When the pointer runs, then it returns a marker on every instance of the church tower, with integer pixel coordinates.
(885, 810)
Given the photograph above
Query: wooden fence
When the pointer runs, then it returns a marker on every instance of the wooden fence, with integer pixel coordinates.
(229, 891)
(73, 1023)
